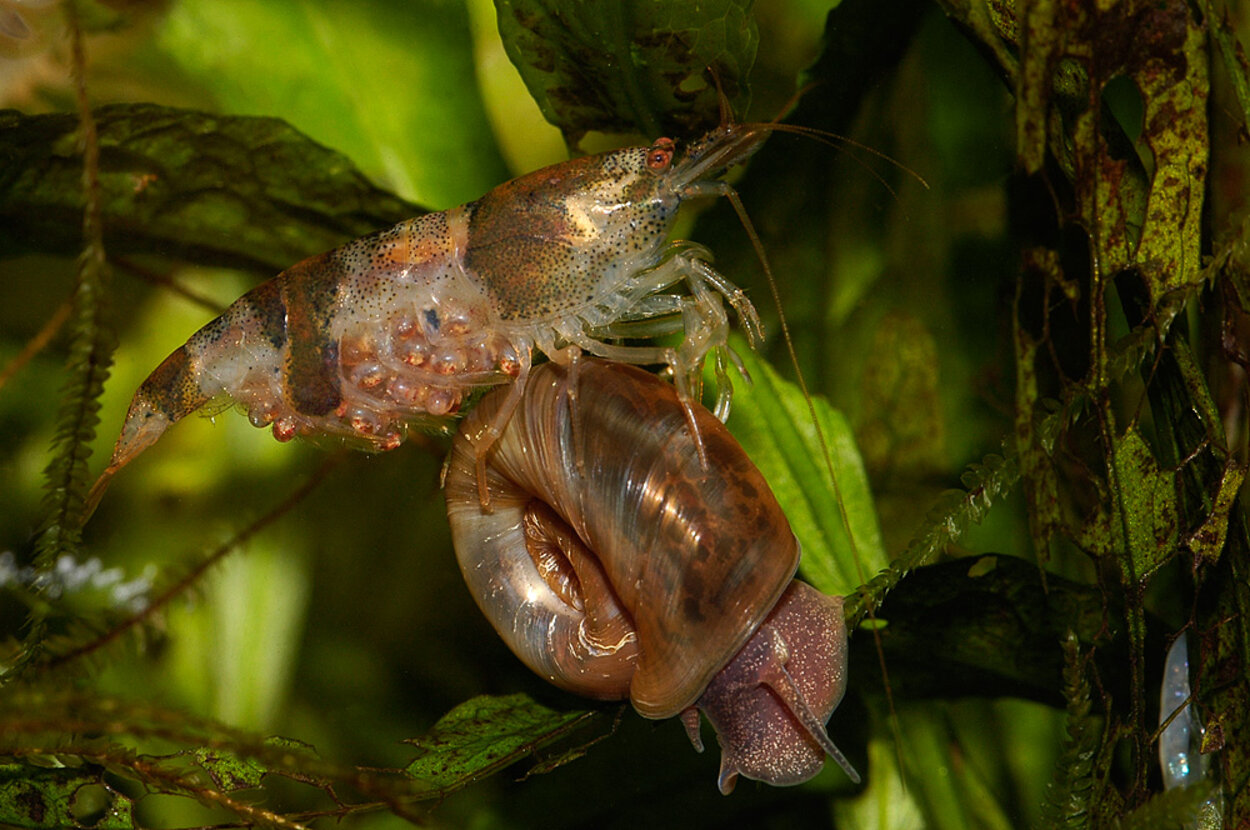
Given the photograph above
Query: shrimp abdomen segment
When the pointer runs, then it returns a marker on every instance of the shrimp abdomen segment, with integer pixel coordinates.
(360, 342)
(307, 301)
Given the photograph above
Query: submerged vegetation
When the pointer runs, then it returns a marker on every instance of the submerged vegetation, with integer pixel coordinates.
(1025, 338)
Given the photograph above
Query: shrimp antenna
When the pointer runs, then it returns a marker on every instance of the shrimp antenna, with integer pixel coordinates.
(722, 100)
(835, 140)
(97, 492)
(753, 235)
(841, 142)
(838, 142)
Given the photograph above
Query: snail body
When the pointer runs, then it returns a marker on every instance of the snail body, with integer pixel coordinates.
(616, 565)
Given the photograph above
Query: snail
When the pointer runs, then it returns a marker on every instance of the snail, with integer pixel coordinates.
(617, 565)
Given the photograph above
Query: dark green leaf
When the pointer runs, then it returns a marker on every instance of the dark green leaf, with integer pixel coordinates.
(987, 626)
(624, 66)
(60, 797)
(211, 189)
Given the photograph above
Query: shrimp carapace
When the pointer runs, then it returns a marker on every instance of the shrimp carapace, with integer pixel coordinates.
(397, 329)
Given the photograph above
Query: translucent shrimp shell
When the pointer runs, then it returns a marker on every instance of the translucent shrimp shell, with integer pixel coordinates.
(399, 327)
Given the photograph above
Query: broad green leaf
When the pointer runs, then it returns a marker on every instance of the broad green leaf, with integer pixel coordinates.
(390, 84)
(624, 66)
(206, 188)
(772, 420)
(485, 734)
(58, 797)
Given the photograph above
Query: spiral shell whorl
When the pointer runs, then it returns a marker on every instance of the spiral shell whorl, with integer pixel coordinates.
(700, 546)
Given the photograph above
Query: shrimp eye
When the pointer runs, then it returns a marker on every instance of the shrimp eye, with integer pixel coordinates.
(661, 154)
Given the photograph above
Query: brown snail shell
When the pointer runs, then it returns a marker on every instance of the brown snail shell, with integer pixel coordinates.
(615, 565)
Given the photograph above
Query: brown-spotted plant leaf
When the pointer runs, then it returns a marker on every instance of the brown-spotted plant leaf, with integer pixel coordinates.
(1147, 505)
(1141, 200)
(1208, 540)
(60, 796)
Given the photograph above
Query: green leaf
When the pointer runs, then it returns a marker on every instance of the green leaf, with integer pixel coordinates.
(1000, 624)
(1208, 540)
(1148, 510)
(231, 771)
(228, 771)
(623, 66)
(953, 794)
(210, 189)
(772, 420)
(59, 797)
(390, 84)
(1194, 806)
(485, 734)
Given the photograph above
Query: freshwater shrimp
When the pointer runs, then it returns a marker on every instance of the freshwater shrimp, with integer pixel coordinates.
(398, 329)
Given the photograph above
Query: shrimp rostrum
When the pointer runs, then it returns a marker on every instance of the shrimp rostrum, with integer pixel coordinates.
(397, 329)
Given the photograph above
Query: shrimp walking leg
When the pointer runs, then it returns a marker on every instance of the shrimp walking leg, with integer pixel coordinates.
(486, 438)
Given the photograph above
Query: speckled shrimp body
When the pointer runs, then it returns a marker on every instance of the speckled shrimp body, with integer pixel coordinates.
(396, 329)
